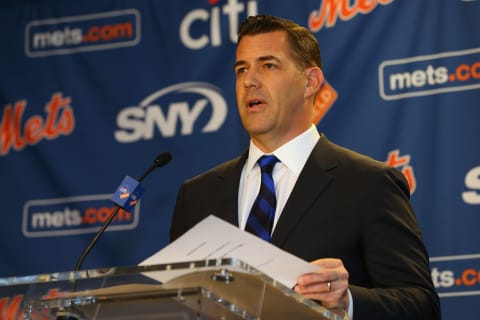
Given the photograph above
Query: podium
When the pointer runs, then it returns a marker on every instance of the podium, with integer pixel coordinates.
(209, 289)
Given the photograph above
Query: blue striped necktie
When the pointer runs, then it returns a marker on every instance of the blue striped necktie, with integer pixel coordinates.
(260, 220)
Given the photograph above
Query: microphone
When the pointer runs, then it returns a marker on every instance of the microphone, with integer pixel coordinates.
(125, 197)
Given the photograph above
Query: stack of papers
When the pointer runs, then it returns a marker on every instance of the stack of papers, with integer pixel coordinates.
(214, 238)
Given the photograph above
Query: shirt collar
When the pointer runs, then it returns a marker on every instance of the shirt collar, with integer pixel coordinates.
(292, 154)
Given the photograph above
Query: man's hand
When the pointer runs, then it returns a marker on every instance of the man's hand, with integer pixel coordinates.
(329, 284)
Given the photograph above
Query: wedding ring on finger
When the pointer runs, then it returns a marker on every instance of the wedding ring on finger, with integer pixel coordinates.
(329, 286)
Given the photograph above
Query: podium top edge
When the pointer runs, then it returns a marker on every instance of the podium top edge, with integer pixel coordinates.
(123, 270)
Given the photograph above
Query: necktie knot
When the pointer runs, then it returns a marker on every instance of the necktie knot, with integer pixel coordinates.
(267, 163)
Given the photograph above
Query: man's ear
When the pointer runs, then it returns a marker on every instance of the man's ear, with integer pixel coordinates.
(314, 77)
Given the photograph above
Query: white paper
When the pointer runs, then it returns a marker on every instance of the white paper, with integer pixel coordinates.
(214, 238)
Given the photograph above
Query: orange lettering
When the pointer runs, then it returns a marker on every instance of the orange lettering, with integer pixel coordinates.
(52, 108)
(59, 121)
(330, 10)
(10, 309)
(475, 70)
(394, 161)
(469, 277)
(90, 216)
(408, 173)
(7, 127)
(100, 215)
(33, 129)
(103, 214)
(123, 215)
(463, 72)
(323, 102)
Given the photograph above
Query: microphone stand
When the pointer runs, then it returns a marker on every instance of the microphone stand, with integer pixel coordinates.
(161, 160)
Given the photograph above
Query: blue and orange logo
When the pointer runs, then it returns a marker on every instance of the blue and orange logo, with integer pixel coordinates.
(91, 32)
(431, 74)
(455, 276)
(124, 193)
(74, 215)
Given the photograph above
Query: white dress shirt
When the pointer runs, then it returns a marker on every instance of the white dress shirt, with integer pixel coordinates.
(292, 156)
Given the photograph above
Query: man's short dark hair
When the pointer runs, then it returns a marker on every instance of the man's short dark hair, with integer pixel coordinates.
(305, 48)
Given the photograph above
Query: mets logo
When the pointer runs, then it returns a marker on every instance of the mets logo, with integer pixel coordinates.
(124, 193)
(331, 10)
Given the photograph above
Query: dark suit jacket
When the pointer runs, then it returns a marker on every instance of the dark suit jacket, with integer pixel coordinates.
(346, 206)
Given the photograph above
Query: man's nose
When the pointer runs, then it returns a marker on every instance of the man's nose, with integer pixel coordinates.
(251, 79)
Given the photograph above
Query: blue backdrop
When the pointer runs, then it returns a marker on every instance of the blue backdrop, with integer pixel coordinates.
(91, 91)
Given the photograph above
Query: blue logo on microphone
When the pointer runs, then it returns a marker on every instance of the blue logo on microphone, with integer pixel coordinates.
(128, 193)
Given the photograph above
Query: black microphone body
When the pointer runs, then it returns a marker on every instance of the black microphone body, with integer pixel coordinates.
(161, 160)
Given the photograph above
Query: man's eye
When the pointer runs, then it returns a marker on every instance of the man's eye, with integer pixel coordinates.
(269, 66)
(241, 70)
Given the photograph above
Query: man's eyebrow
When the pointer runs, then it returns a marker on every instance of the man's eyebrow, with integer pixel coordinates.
(239, 63)
(267, 58)
(261, 59)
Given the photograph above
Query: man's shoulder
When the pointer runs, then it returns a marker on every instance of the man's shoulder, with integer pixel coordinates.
(227, 168)
(347, 156)
(357, 166)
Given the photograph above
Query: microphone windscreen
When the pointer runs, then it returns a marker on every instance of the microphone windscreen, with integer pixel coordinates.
(162, 159)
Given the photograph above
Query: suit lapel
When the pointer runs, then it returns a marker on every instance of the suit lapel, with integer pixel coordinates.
(312, 181)
(229, 179)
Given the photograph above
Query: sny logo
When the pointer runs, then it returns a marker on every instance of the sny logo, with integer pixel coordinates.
(139, 122)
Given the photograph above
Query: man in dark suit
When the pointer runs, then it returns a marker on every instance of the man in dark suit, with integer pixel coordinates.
(345, 212)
